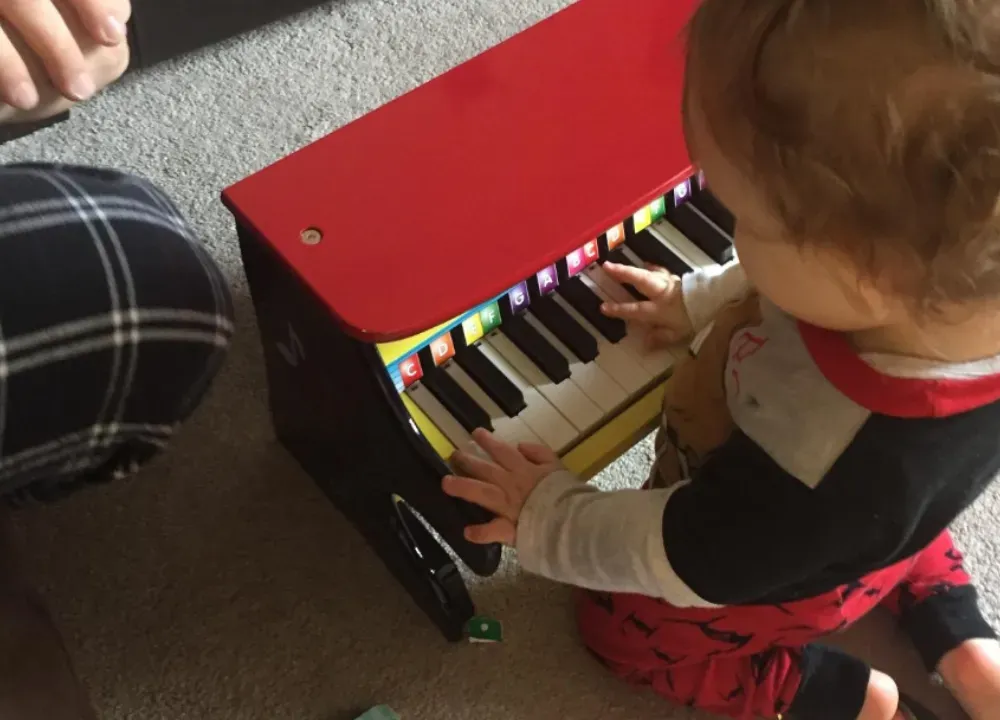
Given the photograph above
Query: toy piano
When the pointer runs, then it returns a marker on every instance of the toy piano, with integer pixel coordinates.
(436, 266)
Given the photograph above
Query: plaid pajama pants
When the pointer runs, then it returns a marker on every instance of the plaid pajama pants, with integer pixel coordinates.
(114, 321)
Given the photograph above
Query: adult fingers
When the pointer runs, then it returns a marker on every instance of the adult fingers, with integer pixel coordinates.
(640, 310)
(500, 530)
(485, 495)
(104, 19)
(538, 454)
(504, 454)
(46, 33)
(16, 86)
(649, 283)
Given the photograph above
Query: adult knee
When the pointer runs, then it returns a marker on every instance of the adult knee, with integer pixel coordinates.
(118, 322)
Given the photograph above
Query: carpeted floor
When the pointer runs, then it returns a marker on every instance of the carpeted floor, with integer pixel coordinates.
(220, 583)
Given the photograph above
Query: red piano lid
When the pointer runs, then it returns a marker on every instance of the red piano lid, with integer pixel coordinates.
(458, 190)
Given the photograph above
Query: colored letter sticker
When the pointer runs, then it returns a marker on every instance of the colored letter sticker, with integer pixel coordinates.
(616, 236)
(473, 330)
(410, 370)
(657, 209)
(519, 298)
(575, 262)
(443, 349)
(489, 316)
(548, 279)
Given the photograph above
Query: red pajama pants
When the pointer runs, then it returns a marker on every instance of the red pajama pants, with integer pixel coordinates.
(747, 661)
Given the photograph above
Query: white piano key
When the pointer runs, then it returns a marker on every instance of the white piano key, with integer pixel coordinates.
(656, 361)
(588, 376)
(510, 430)
(611, 287)
(612, 358)
(439, 415)
(571, 402)
(677, 242)
(555, 431)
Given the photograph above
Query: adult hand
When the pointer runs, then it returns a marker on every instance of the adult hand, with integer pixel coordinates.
(70, 46)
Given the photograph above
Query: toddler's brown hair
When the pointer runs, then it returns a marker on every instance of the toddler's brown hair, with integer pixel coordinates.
(872, 126)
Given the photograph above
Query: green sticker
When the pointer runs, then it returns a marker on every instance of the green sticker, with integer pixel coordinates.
(657, 209)
(379, 712)
(484, 629)
(490, 316)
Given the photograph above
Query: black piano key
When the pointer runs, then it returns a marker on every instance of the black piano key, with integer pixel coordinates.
(603, 248)
(651, 250)
(715, 211)
(494, 383)
(561, 324)
(702, 232)
(455, 400)
(619, 257)
(529, 341)
(586, 302)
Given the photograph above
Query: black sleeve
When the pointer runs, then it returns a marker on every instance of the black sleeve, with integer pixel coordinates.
(745, 530)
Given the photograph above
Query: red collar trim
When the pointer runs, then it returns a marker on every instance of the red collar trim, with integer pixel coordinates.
(893, 396)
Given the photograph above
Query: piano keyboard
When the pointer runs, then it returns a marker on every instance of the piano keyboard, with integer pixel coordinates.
(540, 363)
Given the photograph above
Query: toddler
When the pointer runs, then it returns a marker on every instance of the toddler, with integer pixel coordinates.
(841, 406)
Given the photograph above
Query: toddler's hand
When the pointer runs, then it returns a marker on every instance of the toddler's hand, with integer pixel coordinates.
(663, 313)
(502, 486)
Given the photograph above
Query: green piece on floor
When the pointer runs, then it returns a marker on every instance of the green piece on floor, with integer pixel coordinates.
(379, 712)
(484, 629)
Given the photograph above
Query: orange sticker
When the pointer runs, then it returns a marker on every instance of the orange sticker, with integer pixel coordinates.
(616, 236)
(443, 349)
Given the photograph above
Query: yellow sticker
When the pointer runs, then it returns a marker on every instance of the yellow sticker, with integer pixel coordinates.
(642, 219)
(472, 329)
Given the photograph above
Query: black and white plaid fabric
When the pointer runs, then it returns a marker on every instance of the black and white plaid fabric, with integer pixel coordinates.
(114, 320)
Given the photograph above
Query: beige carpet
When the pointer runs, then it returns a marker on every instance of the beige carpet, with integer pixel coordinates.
(220, 583)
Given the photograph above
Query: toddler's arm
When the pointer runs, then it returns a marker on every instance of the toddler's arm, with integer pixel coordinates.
(706, 291)
(744, 529)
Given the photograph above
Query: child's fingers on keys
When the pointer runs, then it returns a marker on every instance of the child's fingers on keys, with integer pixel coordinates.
(500, 530)
(649, 282)
(504, 454)
(484, 494)
(640, 310)
(475, 466)
(538, 454)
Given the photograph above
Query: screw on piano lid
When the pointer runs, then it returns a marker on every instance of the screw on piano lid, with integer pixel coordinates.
(311, 236)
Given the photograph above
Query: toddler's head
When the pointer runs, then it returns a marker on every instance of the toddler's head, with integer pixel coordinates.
(857, 142)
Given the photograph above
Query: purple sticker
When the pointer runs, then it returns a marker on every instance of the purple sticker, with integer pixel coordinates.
(548, 280)
(682, 193)
(519, 299)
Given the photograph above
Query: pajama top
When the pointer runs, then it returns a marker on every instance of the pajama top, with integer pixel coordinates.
(787, 465)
